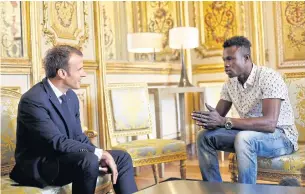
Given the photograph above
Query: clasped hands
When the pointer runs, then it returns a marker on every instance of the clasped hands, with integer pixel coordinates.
(208, 119)
(107, 164)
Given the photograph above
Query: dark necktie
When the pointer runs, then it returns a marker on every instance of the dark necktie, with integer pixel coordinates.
(67, 115)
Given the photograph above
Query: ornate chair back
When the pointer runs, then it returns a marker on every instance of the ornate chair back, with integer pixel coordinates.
(9, 107)
(128, 110)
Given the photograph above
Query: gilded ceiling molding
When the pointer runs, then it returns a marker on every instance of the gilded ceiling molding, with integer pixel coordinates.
(142, 68)
(289, 34)
(61, 21)
(216, 22)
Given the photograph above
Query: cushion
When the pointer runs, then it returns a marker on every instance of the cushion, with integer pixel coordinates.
(152, 148)
(288, 163)
(8, 187)
(130, 108)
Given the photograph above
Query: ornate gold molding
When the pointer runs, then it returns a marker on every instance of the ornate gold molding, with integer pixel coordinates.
(100, 74)
(142, 68)
(208, 68)
(62, 21)
(217, 21)
(289, 25)
(108, 35)
(90, 64)
(16, 70)
(295, 75)
(14, 91)
(154, 84)
(15, 61)
(211, 81)
(161, 159)
(85, 97)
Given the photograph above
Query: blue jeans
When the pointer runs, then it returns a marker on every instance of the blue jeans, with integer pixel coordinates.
(246, 144)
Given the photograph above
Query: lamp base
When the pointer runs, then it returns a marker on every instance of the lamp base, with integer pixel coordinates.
(184, 82)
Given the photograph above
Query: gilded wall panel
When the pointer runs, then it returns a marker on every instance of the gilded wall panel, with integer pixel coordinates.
(65, 22)
(11, 30)
(15, 37)
(160, 17)
(85, 108)
(216, 22)
(290, 33)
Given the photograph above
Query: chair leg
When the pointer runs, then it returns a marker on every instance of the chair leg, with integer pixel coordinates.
(136, 171)
(233, 168)
(161, 170)
(222, 156)
(156, 172)
(182, 169)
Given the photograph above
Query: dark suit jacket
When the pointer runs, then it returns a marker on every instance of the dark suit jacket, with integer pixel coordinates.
(43, 135)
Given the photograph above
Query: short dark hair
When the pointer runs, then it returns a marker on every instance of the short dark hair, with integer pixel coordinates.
(239, 41)
(58, 58)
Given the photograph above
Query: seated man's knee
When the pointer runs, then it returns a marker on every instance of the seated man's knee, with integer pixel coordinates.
(243, 139)
(89, 162)
(126, 156)
(123, 158)
(202, 137)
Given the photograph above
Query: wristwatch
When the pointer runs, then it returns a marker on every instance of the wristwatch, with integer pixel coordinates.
(228, 124)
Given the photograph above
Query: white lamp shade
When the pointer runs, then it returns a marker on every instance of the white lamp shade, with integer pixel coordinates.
(145, 42)
(183, 37)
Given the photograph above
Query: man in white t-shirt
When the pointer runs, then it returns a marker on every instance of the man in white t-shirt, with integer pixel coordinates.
(266, 124)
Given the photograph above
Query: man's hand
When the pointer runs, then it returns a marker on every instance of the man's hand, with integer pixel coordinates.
(208, 119)
(108, 162)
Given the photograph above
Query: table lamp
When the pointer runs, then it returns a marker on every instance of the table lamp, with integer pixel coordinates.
(144, 42)
(183, 38)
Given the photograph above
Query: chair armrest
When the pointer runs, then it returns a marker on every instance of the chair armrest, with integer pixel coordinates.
(89, 133)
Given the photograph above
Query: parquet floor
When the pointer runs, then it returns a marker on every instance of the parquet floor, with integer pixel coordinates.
(146, 178)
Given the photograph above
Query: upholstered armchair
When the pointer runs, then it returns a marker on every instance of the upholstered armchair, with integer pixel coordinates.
(293, 165)
(8, 107)
(128, 115)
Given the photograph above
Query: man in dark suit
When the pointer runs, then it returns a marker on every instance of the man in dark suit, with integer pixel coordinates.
(51, 147)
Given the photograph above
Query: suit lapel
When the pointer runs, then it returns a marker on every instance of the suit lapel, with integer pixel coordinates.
(54, 100)
(70, 105)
